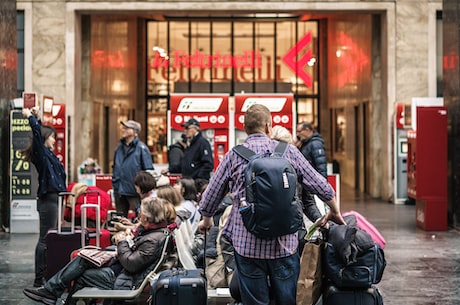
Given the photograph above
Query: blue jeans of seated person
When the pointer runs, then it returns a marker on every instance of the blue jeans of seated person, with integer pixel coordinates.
(84, 274)
(261, 278)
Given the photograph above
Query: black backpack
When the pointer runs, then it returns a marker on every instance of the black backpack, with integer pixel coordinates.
(271, 208)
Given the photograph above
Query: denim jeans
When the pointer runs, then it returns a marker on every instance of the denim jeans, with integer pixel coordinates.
(261, 278)
(47, 207)
(84, 274)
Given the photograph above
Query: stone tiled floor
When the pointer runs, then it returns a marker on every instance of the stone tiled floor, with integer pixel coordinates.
(423, 268)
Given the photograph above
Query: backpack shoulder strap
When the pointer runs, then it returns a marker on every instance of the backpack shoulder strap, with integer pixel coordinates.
(243, 152)
(281, 148)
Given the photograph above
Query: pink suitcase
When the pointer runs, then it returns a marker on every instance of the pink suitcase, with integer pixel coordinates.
(365, 225)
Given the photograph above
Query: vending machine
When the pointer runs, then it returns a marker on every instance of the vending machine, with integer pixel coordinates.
(401, 127)
(59, 124)
(280, 106)
(211, 110)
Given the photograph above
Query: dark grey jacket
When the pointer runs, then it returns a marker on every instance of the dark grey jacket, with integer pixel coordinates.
(137, 261)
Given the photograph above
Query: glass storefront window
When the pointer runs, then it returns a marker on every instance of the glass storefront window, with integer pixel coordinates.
(265, 77)
(243, 72)
(158, 54)
(231, 55)
(205, 56)
(200, 43)
(307, 110)
(221, 42)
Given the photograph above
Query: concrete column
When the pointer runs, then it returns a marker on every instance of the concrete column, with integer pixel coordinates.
(451, 88)
(8, 74)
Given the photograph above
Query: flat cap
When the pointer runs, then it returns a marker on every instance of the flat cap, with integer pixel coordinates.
(132, 124)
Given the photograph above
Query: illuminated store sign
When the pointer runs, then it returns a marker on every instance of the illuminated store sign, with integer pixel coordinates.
(247, 66)
(249, 59)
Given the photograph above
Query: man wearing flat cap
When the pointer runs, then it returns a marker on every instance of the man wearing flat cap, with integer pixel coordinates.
(197, 161)
(131, 156)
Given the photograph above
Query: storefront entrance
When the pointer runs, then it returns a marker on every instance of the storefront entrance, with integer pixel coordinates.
(325, 63)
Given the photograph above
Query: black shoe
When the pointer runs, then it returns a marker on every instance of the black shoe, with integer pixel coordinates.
(40, 295)
(39, 282)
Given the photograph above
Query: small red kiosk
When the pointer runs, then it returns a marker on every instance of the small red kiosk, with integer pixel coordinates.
(280, 106)
(427, 168)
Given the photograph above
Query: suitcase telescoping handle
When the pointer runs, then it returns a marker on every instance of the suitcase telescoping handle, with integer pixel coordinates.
(61, 204)
(84, 220)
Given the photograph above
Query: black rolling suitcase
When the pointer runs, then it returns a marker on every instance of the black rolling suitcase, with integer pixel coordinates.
(358, 296)
(60, 242)
(180, 286)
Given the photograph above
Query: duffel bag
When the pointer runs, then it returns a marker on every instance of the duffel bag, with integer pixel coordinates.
(367, 270)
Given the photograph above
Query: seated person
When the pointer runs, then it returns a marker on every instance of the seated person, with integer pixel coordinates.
(170, 194)
(186, 187)
(145, 184)
(137, 254)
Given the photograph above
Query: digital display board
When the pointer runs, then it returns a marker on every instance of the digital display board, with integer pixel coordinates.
(24, 177)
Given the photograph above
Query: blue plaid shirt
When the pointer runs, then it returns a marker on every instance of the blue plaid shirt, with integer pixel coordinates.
(229, 177)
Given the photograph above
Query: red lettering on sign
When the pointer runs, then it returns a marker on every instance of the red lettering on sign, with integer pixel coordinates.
(100, 59)
(248, 66)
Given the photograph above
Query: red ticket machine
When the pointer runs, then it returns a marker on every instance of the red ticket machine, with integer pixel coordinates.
(280, 106)
(211, 110)
(427, 167)
(59, 124)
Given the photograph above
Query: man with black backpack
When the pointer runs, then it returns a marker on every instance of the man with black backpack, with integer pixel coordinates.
(256, 176)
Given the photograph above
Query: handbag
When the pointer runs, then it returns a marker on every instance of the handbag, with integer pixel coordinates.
(309, 285)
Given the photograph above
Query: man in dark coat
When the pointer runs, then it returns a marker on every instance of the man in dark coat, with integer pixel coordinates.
(197, 161)
(175, 155)
(311, 144)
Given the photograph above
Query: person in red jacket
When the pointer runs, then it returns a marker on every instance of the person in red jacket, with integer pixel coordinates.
(91, 197)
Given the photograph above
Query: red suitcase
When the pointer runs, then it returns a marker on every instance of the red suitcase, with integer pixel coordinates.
(60, 242)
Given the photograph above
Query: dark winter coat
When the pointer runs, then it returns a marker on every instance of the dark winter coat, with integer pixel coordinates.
(198, 161)
(175, 155)
(137, 261)
(51, 172)
(314, 151)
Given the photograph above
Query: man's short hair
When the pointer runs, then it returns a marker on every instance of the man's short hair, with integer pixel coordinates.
(255, 118)
(306, 125)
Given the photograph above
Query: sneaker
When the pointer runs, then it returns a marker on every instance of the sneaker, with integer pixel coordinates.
(39, 282)
(40, 295)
